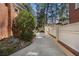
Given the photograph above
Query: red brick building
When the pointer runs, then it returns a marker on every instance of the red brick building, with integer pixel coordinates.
(74, 12)
(7, 14)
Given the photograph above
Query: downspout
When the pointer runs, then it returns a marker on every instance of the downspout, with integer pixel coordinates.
(9, 19)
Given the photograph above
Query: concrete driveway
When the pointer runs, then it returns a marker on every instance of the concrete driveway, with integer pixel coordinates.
(43, 45)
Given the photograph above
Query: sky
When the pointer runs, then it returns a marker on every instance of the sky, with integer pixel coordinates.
(55, 7)
(34, 7)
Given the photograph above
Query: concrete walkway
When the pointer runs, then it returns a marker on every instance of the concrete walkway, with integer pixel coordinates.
(43, 45)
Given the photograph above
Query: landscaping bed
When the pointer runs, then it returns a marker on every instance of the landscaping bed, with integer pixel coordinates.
(23, 29)
(11, 45)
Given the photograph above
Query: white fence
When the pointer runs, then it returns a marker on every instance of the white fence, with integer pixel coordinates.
(68, 34)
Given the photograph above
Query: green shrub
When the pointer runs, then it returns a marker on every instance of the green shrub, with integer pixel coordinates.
(24, 25)
(28, 34)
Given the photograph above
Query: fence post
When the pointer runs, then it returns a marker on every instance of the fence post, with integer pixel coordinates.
(57, 32)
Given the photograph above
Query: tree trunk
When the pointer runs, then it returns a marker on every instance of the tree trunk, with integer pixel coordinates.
(47, 13)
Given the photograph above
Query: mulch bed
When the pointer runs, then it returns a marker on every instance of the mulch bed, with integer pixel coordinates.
(11, 45)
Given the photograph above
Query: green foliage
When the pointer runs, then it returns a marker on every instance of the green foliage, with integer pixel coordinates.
(63, 18)
(5, 50)
(41, 19)
(28, 7)
(24, 25)
(29, 36)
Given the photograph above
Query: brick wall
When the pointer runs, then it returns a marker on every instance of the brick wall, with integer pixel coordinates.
(4, 19)
(73, 13)
(13, 15)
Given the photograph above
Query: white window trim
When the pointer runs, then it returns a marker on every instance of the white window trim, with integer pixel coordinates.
(76, 5)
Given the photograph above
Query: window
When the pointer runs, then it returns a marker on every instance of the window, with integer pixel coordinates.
(6, 4)
(16, 10)
(76, 5)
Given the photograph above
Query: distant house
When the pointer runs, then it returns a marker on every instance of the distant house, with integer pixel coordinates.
(74, 12)
(7, 14)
